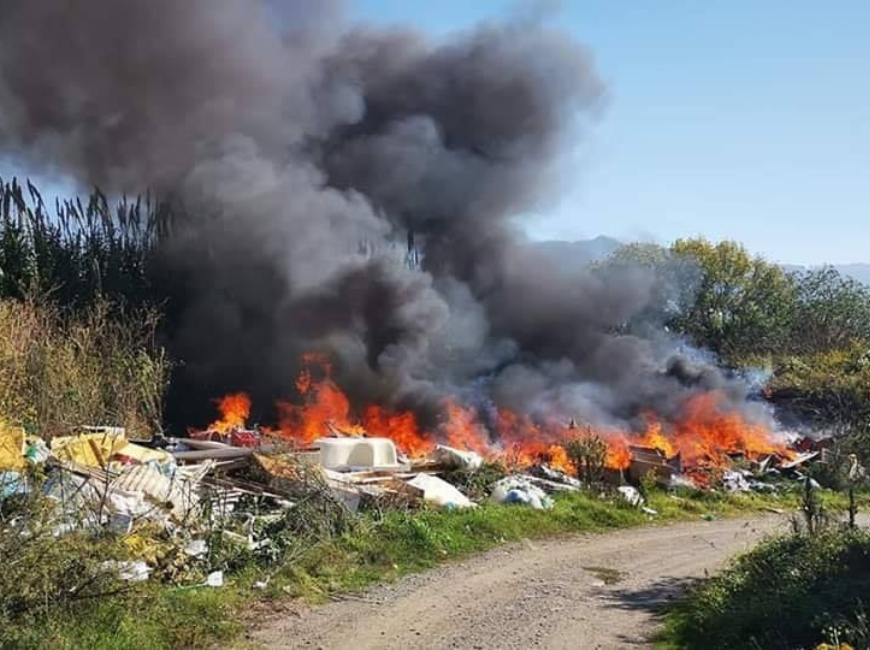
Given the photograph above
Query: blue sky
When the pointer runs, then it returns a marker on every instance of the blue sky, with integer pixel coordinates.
(735, 119)
(738, 119)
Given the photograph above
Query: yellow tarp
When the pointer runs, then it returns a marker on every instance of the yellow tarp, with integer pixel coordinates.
(89, 449)
(144, 454)
(97, 449)
(11, 448)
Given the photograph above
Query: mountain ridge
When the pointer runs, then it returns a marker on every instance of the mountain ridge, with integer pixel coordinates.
(585, 251)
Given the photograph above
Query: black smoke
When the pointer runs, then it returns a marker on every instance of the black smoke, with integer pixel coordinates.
(305, 153)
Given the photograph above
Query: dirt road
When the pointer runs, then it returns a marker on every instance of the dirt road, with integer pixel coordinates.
(602, 591)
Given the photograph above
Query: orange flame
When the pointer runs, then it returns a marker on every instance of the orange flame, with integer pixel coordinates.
(463, 430)
(234, 410)
(401, 428)
(704, 434)
(707, 434)
(324, 409)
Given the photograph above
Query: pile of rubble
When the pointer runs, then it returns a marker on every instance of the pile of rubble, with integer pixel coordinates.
(733, 472)
(233, 482)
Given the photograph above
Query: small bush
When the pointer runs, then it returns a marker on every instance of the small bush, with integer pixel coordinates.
(45, 573)
(789, 592)
(477, 484)
(588, 453)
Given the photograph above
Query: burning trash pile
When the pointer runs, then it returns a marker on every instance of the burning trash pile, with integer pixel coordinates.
(231, 481)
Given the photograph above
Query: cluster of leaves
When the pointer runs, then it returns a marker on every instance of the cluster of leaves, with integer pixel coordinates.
(742, 304)
(789, 592)
(738, 305)
(59, 591)
(830, 385)
(45, 574)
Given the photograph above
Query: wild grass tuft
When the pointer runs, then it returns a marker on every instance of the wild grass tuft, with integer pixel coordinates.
(60, 370)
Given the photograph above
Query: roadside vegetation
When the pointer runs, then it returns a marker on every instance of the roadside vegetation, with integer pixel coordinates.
(803, 590)
(60, 368)
(56, 595)
(790, 592)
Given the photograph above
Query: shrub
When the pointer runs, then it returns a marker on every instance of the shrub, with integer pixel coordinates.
(789, 592)
(45, 573)
(98, 366)
(588, 453)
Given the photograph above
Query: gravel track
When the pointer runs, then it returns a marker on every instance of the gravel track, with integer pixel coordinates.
(591, 591)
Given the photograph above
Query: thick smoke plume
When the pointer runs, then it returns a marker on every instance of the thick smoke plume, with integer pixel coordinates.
(306, 154)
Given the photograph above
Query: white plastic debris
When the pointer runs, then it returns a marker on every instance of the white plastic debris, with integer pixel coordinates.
(127, 504)
(196, 548)
(37, 451)
(350, 453)
(12, 483)
(682, 480)
(556, 476)
(260, 585)
(736, 481)
(121, 523)
(649, 511)
(440, 492)
(132, 571)
(456, 458)
(215, 579)
(158, 489)
(761, 486)
(799, 460)
(631, 494)
(515, 489)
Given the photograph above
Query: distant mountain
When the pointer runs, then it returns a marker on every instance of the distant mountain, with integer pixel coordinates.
(584, 251)
(857, 271)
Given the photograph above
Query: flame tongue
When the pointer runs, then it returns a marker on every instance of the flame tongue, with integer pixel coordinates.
(463, 430)
(401, 428)
(234, 410)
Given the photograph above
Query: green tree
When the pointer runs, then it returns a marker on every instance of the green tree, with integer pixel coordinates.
(743, 305)
(832, 312)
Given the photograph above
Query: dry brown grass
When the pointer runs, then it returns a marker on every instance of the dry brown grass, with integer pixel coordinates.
(100, 366)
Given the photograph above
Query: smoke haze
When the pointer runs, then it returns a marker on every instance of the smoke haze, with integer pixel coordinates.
(304, 150)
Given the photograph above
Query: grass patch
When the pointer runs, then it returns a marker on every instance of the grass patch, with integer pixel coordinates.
(153, 617)
(403, 543)
(789, 592)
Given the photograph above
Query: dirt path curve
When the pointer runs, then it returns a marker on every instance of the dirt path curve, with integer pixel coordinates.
(601, 591)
